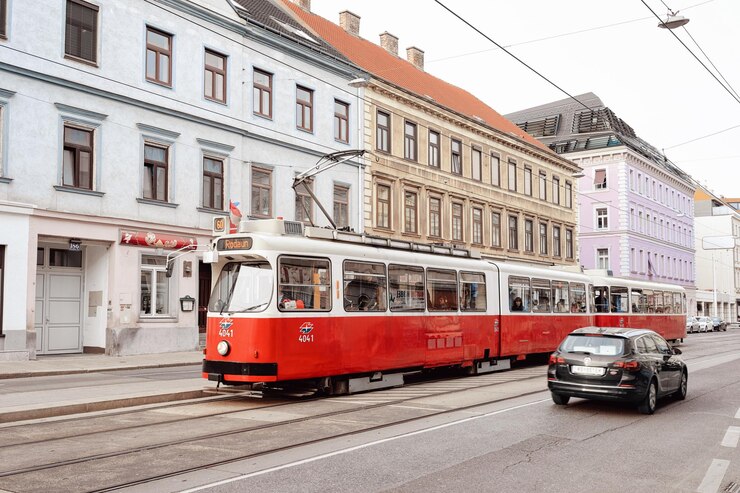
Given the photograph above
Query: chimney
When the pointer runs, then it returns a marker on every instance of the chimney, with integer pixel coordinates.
(389, 42)
(350, 22)
(415, 56)
(304, 4)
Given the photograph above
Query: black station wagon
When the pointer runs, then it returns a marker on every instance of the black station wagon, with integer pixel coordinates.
(635, 365)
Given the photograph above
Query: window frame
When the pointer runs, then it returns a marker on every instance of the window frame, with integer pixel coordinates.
(260, 89)
(476, 163)
(511, 175)
(495, 170)
(304, 106)
(528, 235)
(527, 180)
(556, 190)
(262, 190)
(214, 73)
(302, 197)
(602, 219)
(341, 122)
(67, 50)
(568, 194)
(602, 184)
(156, 165)
(457, 220)
(156, 79)
(341, 205)
(77, 150)
(327, 285)
(153, 270)
(3, 31)
(543, 238)
(435, 217)
(543, 186)
(569, 247)
(476, 225)
(513, 232)
(410, 141)
(410, 212)
(496, 229)
(386, 202)
(556, 247)
(383, 132)
(213, 176)
(434, 149)
(456, 163)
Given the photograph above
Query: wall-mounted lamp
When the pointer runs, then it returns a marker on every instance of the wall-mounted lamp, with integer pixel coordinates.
(358, 82)
(187, 303)
(580, 174)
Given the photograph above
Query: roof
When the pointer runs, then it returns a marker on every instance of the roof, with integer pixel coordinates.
(401, 73)
(613, 331)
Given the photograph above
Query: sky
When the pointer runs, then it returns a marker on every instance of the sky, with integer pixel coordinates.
(613, 49)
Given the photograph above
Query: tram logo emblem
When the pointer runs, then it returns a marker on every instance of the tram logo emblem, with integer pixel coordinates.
(305, 328)
(226, 323)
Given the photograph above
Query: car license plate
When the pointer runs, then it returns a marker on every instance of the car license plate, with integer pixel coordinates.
(587, 370)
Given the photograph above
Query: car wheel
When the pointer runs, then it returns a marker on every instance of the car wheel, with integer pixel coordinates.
(647, 406)
(682, 387)
(560, 399)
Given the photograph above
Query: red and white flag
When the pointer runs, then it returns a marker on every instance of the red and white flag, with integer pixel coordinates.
(235, 216)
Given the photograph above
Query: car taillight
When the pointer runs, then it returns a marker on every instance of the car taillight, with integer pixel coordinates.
(556, 360)
(629, 365)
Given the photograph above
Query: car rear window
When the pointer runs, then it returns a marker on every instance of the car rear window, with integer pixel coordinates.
(607, 346)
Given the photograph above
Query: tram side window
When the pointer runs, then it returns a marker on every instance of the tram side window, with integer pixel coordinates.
(442, 290)
(364, 287)
(406, 288)
(560, 296)
(619, 301)
(635, 295)
(647, 301)
(658, 301)
(677, 303)
(600, 296)
(577, 297)
(305, 284)
(541, 296)
(519, 294)
(472, 292)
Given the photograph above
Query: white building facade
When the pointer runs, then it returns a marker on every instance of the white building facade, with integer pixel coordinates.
(126, 128)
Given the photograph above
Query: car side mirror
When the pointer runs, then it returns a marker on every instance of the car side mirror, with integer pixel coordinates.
(676, 350)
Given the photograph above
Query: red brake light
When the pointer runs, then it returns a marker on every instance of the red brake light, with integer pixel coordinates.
(555, 360)
(629, 365)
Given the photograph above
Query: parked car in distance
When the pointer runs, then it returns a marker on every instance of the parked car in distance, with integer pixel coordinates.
(692, 325)
(718, 324)
(705, 324)
(616, 363)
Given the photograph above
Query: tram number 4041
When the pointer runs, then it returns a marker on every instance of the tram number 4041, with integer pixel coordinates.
(305, 338)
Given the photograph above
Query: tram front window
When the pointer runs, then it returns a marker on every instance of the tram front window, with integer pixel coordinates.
(242, 287)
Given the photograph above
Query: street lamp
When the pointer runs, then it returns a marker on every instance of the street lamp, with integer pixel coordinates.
(673, 21)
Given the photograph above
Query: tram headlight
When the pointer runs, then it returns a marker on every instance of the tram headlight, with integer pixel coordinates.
(223, 348)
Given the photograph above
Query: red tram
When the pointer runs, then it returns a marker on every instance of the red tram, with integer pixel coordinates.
(345, 312)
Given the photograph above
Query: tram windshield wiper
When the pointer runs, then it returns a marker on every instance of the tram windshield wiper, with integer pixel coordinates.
(254, 307)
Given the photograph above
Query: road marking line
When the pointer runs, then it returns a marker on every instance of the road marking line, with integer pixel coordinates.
(732, 435)
(364, 445)
(737, 414)
(713, 478)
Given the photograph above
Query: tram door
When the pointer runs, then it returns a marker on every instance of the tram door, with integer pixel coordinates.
(58, 314)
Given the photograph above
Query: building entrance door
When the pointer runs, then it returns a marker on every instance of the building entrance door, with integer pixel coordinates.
(58, 317)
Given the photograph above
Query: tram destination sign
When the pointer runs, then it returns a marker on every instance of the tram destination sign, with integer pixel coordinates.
(227, 244)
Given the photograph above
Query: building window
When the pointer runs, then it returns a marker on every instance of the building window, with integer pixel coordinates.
(3, 26)
(527, 181)
(543, 239)
(477, 225)
(2, 247)
(600, 179)
(341, 121)
(435, 216)
(457, 221)
(568, 195)
(78, 158)
(158, 57)
(434, 149)
(383, 207)
(303, 202)
(154, 287)
(543, 186)
(155, 172)
(383, 132)
(602, 258)
(556, 241)
(569, 243)
(341, 206)
(304, 108)
(213, 183)
(513, 233)
(556, 190)
(496, 229)
(512, 175)
(495, 170)
(409, 140)
(476, 164)
(456, 158)
(409, 212)
(81, 32)
(602, 218)
(261, 192)
(215, 77)
(528, 235)
(262, 93)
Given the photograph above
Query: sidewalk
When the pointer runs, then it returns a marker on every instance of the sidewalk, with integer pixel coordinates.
(79, 383)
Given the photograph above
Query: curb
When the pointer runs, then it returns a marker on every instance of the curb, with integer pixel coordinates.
(51, 373)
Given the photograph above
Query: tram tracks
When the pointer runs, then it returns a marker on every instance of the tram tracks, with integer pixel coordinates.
(360, 413)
